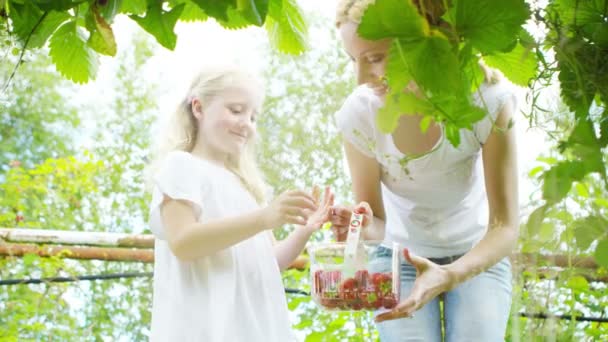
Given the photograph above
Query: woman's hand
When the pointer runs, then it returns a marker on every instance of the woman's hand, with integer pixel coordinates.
(340, 218)
(431, 281)
(290, 207)
(322, 214)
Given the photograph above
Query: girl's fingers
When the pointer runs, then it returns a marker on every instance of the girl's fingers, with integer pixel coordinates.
(301, 202)
(293, 219)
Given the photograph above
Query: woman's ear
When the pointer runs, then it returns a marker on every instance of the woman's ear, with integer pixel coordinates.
(197, 108)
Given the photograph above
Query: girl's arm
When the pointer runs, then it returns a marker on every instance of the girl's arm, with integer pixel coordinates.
(500, 168)
(189, 239)
(365, 176)
(288, 249)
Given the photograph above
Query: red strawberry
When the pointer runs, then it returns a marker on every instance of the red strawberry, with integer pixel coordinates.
(330, 303)
(356, 305)
(376, 279)
(348, 289)
(389, 302)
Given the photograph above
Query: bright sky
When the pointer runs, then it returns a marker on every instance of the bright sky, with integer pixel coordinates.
(208, 43)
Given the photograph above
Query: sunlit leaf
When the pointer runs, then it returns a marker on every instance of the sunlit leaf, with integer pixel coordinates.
(160, 23)
(392, 18)
(71, 55)
(490, 25)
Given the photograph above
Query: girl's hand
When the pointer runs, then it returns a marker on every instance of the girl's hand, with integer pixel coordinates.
(340, 218)
(322, 214)
(290, 207)
(431, 281)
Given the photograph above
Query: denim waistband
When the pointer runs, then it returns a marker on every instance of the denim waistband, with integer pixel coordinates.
(384, 251)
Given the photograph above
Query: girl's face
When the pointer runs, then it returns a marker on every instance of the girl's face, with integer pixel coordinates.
(369, 57)
(227, 121)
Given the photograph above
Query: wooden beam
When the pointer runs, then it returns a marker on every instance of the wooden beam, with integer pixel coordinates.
(84, 253)
(99, 253)
(67, 237)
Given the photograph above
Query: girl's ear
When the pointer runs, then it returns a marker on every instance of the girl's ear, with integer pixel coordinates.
(197, 108)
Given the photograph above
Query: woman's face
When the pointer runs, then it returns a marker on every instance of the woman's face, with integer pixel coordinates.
(369, 57)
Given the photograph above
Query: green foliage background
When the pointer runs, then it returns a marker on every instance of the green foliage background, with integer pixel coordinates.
(47, 180)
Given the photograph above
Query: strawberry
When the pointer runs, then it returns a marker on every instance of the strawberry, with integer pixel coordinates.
(348, 289)
(330, 303)
(389, 301)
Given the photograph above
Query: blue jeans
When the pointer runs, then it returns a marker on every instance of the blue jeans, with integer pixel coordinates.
(476, 310)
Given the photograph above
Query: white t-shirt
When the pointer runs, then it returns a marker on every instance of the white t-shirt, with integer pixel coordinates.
(235, 294)
(435, 205)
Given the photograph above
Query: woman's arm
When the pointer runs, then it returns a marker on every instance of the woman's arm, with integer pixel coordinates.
(365, 176)
(500, 169)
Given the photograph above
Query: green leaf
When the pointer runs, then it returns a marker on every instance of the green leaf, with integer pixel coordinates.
(137, 7)
(49, 24)
(432, 63)
(217, 9)
(392, 19)
(397, 104)
(559, 178)
(453, 134)
(193, 12)
(73, 59)
(24, 18)
(535, 221)
(57, 5)
(535, 171)
(578, 283)
(601, 253)
(581, 12)
(602, 202)
(30, 258)
(588, 229)
(236, 20)
(110, 9)
(160, 23)
(286, 27)
(425, 123)
(254, 11)
(518, 65)
(102, 37)
(581, 190)
(490, 25)
(603, 139)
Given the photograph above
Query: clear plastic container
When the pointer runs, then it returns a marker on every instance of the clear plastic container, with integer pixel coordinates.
(373, 285)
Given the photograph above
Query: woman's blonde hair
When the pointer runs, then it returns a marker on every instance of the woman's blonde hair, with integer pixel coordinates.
(182, 129)
(352, 10)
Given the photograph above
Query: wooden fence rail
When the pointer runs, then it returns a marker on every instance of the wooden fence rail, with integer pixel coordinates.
(17, 242)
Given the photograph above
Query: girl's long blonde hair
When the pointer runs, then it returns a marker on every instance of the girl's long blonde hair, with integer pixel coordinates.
(182, 129)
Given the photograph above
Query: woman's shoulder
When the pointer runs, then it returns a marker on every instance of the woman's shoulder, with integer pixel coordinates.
(492, 95)
(361, 99)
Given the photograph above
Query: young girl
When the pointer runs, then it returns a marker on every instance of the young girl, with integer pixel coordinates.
(455, 209)
(217, 265)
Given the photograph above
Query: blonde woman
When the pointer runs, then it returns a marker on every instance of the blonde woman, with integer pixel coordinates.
(217, 266)
(454, 209)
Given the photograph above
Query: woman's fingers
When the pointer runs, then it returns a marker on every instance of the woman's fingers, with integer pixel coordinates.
(402, 310)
